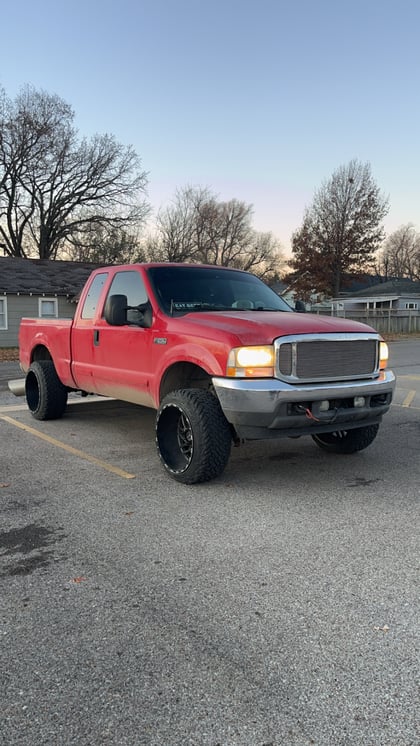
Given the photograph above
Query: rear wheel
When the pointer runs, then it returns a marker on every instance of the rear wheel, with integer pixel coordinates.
(45, 394)
(347, 441)
(193, 436)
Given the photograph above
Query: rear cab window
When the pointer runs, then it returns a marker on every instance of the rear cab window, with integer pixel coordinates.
(91, 301)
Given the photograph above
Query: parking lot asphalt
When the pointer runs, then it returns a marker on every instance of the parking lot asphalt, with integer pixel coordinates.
(274, 606)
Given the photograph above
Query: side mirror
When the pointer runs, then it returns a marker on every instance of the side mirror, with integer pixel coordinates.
(300, 306)
(146, 314)
(141, 315)
(115, 311)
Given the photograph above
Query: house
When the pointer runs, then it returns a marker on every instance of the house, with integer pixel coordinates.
(391, 306)
(281, 289)
(288, 293)
(37, 288)
(397, 295)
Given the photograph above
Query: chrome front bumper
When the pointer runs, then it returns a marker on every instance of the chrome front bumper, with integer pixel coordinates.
(268, 408)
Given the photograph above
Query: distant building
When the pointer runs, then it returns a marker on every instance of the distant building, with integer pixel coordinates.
(393, 295)
(392, 306)
(288, 293)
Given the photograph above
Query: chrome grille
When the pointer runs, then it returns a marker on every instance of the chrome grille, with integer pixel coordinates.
(327, 357)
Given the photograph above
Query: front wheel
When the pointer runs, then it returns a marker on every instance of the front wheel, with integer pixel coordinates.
(45, 394)
(347, 441)
(193, 436)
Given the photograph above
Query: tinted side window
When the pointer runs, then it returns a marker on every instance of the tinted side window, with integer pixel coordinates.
(130, 284)
(91, 301)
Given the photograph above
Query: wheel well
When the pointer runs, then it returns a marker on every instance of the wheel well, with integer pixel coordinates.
(40, 353)
(184, 376)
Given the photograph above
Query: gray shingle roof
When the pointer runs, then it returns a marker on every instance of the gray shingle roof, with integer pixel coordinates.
(43, 276)
(391, 287)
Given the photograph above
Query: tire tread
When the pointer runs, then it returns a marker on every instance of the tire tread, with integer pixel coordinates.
(214, 436)
(350, 441)
(52, 394)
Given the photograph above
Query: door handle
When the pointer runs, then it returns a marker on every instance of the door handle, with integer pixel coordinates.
(96, 337)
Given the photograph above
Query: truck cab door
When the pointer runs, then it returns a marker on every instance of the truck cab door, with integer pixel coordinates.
(121, 351)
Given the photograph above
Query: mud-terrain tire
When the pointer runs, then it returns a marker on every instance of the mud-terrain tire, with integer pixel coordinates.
(45, 394)
(347, 441)
(193, 437)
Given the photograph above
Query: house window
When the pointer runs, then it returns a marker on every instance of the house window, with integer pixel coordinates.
(412, 306)
(47, 308)
(3, 313)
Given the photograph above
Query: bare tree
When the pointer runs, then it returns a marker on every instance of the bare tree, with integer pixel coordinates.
(104, 245)
(341, 230)
(178, 231)
(198, 227)
(400, 256)
(54, 186)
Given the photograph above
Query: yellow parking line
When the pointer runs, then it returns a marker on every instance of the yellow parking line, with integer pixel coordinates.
(409, 398)
(74, 451)
(410, 378)
(14, 408)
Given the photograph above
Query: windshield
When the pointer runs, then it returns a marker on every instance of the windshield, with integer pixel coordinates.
(187, 289)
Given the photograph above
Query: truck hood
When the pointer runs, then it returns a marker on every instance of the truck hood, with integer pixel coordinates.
(262, 327)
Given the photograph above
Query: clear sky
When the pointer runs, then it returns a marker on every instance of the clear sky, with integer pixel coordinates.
(259, 100)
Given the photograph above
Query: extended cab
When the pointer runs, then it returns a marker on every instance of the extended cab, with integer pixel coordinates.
(220, 357)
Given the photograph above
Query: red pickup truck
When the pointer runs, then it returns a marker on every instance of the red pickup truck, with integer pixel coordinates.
(218, 354)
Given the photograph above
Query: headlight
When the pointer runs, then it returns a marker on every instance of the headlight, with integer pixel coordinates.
(251, 362)
(383, 355)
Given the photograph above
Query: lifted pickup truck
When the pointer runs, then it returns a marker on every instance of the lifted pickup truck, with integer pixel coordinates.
(220, 357)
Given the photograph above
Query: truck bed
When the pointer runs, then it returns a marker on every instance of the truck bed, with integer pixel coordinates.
(52, 334)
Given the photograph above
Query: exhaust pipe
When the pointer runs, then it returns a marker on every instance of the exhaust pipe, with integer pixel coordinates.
(17, 386)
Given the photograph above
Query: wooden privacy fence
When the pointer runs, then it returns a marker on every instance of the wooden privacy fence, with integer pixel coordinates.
(385, 321)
